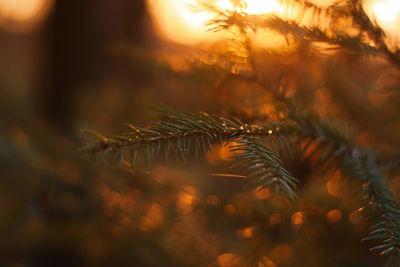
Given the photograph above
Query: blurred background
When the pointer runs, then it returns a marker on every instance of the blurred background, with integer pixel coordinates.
(96, 64)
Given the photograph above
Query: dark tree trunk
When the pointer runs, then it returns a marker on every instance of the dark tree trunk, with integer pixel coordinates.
(79, 35)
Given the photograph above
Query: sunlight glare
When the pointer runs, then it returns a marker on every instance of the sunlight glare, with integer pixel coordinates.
(252, 7)
(20, 10)
(225, 4)
(256, 7)
(178, 22)
(22, 15)
(387, 11)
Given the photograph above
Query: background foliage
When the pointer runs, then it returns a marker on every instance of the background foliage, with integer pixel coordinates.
(319, 115)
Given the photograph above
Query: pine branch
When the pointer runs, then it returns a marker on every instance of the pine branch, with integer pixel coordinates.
(375, 33)
(387, 229)
(180, 133)
(350, 9)
(260, 149)
(377, 199)
(315, 34)
(264, 165)
(291, 28)
(354, 10)
(359, 164)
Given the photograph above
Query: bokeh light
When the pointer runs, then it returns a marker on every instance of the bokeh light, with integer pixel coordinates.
(297, 218)
(334, 185)
(153, 218)
(262, 193)
(245, 232)
(23, 15)
(187, 199)
(334, 216)
(228, 260)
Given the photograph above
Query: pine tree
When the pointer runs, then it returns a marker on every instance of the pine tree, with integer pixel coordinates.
(349, 56)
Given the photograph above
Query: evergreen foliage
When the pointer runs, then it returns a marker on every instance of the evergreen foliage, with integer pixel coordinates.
(261, 145)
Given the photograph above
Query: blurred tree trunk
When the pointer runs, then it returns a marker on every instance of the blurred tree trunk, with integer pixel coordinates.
(79, 35)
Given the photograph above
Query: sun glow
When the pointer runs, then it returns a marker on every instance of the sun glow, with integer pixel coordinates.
(22, 15)
(387, 11)
(253, 7)
(177, 21)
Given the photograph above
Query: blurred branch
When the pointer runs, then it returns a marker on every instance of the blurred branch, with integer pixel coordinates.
(376, 33)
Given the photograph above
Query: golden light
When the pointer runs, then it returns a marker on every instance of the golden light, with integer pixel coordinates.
(246, 232)
(178, 22)
(219, 154)
(252, 7)
(387, 11)
(267, 262)
(297, 218)
(187, 199)
(334, 216)
(228, 259)
(262, 194)
(23, 15)
(152, 219)
(333, 186)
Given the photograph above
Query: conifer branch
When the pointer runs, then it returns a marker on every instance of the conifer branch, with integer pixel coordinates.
(263, 162)
(374, 32)
(378, 200)
(180, 133)
(291, 28)
(350, 9)
(361, 165)
(261, 148)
